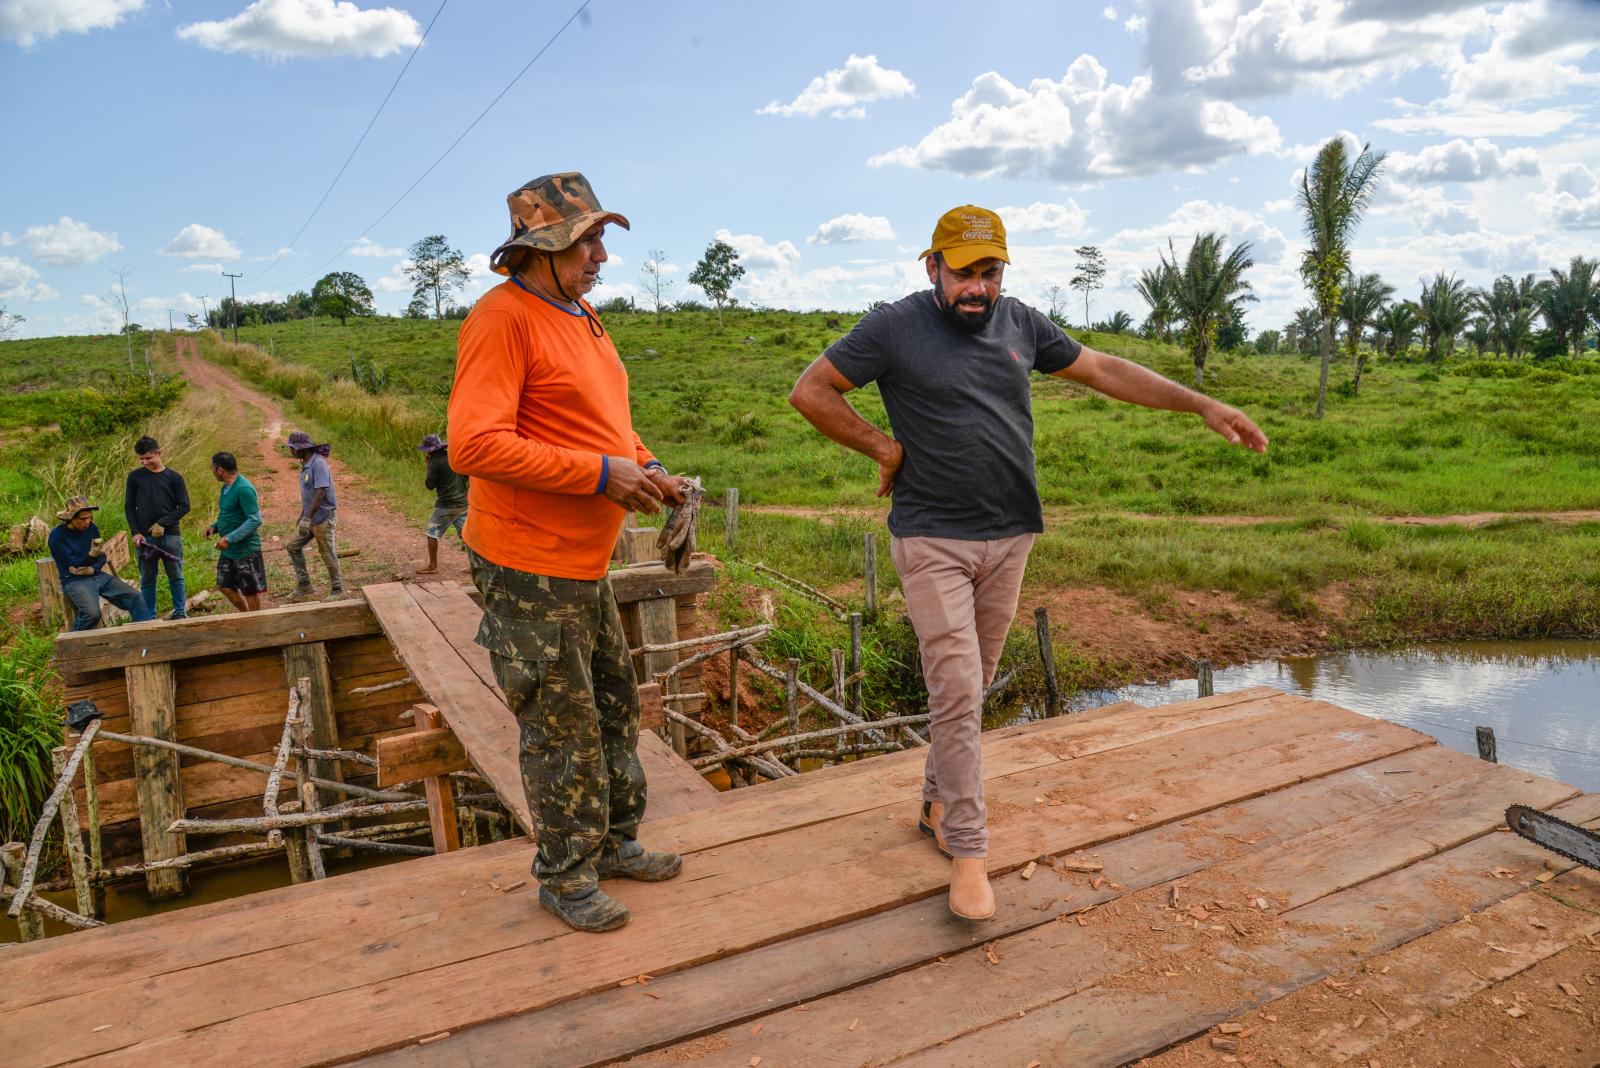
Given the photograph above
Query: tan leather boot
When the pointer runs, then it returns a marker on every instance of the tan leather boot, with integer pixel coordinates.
(928, 824)
(971, 897)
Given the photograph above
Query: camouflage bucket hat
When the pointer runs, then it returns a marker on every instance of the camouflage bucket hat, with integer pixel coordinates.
(431, 443)
(75, 505)
(548, 214)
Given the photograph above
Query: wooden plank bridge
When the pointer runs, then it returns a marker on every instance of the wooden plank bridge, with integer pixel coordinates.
(1160, 872)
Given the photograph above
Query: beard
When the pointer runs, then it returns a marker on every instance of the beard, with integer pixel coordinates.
(967, 322)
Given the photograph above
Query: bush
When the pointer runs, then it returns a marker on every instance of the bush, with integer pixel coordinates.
(29, 729)
(129, 401)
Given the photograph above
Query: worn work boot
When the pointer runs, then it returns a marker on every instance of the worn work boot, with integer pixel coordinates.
(591, 910)
(302, 593)
(932, 815)
(971, 897)
(634, 861)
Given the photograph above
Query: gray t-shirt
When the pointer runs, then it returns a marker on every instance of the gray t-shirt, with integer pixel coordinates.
(314, 476)
(959, 405)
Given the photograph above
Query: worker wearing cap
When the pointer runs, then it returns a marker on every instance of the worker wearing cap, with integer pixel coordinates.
(953, 364)
(539, 422)
(75, 545)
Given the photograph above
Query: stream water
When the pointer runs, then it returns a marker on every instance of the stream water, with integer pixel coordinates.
(1541, 697)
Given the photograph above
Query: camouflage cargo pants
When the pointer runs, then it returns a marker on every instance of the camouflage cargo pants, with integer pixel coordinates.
(560, 657)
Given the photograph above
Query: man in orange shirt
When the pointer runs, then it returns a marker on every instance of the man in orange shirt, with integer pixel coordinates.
(539, 422)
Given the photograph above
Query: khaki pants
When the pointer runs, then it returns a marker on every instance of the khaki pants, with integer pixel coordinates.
(961, 597)
(323, 534)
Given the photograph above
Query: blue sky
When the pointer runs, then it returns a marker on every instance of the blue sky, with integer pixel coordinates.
(181, 139)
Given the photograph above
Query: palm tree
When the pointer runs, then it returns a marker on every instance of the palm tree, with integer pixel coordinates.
(1119, 323)
(1155, 286)
(1519, 331)
(1206, 290)
(1568, 300)
(1396, 325)
(1334, 192)
(1498, 303)
(1444, 309)
(1363, 298)
(1479, 334)
(1303, 330)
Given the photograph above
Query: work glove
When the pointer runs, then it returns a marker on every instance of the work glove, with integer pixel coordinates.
(303, 528)
(97, 547)
(157, 530)
(80, 570)
(677, 538)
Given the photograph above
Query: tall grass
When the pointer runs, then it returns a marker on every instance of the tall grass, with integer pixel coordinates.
(30, 726)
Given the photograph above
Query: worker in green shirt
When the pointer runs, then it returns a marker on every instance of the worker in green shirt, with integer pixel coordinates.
(241, 573)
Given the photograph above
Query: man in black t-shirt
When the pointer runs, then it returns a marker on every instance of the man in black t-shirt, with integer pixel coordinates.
(153, 502)
(953, 365)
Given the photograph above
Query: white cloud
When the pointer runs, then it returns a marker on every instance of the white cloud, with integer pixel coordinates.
(197, 241)
(66, 243)
(1109, 13)
(368, 247)
(28, 21)
(1267, 242)
(1572, 197)
(1135, 24)
(1462, 161)
(18, 281)
(1534, 53)
(1065, 219)
(1476, 120)
(844, 92)
(1424, 209)
(261, 296)
(843, 229)
(200, 268)
(1082, 127)
(284, 29)
(757, 253)
(395, 281)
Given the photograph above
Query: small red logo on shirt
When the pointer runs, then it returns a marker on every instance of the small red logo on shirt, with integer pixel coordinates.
(1014, 357)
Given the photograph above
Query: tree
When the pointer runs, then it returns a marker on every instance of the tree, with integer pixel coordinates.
(1394, 326)
(1091, 274)
(418, 308)
(716, 272)
(1207, 289)
(1155, 286)
(117, 301)
(1364, 297)
(1478, 335)
(1268, 342)
(1052, 293)
(1333, 194)
(655, 286)
(1119, 323)
(342, 294)
(436, 270)
(194, 320)
(9, 323)
(1443, 309)
(1569, 300)
(1303, 331)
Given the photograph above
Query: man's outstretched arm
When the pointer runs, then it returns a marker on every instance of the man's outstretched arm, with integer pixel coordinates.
(819, 396)
(1125, 380)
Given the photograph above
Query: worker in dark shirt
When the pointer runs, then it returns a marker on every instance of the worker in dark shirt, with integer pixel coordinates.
(81, 562)
(450, 497)
(153, 502)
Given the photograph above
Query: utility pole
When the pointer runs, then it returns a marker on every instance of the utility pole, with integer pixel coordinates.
(205, 309)
(233, 311)
(169, 320)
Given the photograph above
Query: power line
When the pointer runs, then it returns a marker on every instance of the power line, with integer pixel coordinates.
(451, 147)
(359, 142)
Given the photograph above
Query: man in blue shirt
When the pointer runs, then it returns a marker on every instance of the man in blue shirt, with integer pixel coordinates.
(317, 509)
(75, 546)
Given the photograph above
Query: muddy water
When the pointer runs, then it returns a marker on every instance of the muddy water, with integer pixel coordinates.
(1541, 697)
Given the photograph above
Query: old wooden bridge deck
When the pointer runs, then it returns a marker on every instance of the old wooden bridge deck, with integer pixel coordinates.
(1158, 871)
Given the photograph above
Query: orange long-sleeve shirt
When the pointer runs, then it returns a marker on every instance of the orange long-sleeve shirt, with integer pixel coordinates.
(539, 402)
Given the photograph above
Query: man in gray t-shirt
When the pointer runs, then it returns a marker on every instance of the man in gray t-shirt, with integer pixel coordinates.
(953, 365)
(318, 517)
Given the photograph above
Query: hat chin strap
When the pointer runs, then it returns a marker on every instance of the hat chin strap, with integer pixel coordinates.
(595, 326)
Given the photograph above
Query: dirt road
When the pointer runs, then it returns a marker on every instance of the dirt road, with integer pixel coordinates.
(392, 545)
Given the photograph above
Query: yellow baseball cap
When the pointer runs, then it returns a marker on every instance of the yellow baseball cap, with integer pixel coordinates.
(968, 234)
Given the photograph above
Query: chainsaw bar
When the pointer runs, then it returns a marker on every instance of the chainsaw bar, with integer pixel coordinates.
(1557, 835)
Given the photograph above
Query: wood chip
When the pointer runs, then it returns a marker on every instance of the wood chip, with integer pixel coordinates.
(1133, 817)
(649, 993)
(102, 1027)
(853, 1023)
(1262, 903)
(1097, 883)
(1269, 1017)
(630, 981)
(514, 886)
(756, 1030)
(1198, 912)
(1083, 867)
(1230, 1028)
(1029, 869)
(1225, 1045)
(1083, 921)
(1359, 1020)
(1173, 898)
(1566, 988)
(440, 1037)
(988, 951)
(1534, 921)
(1516, 1011)
(1034, 1063)
(755, 1062)
(1544, 876)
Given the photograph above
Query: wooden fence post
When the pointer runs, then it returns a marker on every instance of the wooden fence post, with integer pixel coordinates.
(72, 837)
(1486, 746)
(855, 663)
(1047, 657)
(441, 794)
(870, 568)
(1203, 678)
(52, 602)
(29, 924)
(656, 623)
(731, 519)
(152, 712)
(309, 661)
(791, 691)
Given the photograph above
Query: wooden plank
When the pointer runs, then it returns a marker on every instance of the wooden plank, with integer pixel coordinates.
(476, 714)
(656, 623)
(91, 650)
(607, 1026)
(691, 922)
(651, 714)
(419, 754)
(152, 709)
(309, 661)
(672, 786)
(644, 583)
(55, 611)
(441, 795)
